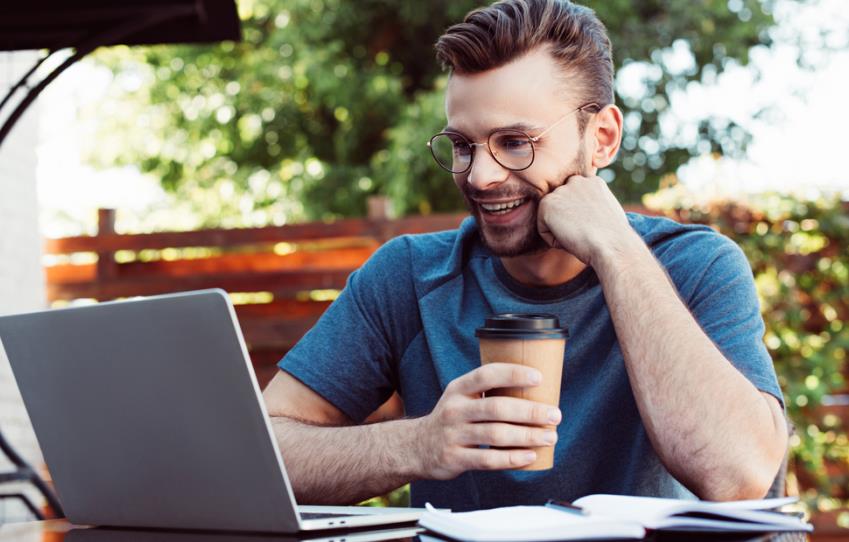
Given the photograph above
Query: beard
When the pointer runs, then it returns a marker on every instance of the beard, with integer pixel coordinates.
(503, 240)
(507, 241)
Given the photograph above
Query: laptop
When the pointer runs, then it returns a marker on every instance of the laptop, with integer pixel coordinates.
(148, 414)
(106, 534)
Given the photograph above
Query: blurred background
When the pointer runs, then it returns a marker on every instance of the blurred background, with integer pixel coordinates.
(326, 102)
(735, 116)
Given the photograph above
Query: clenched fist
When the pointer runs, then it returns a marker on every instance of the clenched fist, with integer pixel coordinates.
(583, 217)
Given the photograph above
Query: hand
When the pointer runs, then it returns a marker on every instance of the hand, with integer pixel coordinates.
(462, 420)
(583, 217)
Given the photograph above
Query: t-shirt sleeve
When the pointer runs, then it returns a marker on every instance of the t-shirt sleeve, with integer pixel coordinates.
(725, 303)
(350, 356)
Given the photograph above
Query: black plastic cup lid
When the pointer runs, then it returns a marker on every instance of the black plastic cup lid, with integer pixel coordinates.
(522, 326)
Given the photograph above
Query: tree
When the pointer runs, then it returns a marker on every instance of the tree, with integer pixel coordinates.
(326, 102)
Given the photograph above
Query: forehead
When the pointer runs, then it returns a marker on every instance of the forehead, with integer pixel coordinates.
(532, 89)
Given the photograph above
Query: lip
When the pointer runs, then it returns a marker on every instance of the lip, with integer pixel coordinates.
(515, 215)
(494, 201)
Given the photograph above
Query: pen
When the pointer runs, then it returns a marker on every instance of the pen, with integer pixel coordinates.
(564, 506)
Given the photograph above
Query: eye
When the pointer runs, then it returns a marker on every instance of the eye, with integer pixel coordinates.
(460, 145)
(511, 143)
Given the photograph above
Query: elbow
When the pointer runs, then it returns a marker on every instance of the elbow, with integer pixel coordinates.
(762, 471)
(743, 487)
(748, 480)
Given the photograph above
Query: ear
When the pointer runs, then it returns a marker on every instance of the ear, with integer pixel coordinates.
(605, 135)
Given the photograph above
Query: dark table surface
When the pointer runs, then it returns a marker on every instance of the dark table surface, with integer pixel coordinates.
(62, 531)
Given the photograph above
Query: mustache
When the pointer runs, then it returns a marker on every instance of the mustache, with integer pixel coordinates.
(507, 192)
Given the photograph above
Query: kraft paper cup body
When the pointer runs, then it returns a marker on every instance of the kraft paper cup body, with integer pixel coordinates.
(544, 353)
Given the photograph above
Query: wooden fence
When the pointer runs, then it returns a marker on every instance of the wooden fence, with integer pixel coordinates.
(281, 278)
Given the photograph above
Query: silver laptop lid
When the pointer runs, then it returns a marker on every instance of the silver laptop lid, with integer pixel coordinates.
(130, 437)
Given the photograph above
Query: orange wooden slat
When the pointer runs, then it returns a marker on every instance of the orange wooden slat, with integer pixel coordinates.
(275, 334)
(68, 273)
(280, 283)
(210, 237)
(348, 258)
(282, 309)
(352, 227)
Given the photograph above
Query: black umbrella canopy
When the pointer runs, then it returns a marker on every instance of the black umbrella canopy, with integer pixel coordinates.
(57, 24)
(84, 25)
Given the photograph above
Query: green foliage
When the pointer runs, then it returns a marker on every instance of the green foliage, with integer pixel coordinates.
(326, 102)
(798, 252)
(398, 498)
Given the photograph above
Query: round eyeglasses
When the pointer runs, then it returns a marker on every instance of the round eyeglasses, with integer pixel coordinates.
(512, 149)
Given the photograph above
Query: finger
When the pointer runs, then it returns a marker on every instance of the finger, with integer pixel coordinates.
(480, 459)
(507, 435)
(497, 375)
(513, 410)
(542, 226)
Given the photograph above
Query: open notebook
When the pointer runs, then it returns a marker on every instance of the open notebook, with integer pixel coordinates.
(611, 516)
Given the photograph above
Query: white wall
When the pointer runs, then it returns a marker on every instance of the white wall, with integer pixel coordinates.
(21, 275)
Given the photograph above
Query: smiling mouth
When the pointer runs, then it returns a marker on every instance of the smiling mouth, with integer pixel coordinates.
(502, 208)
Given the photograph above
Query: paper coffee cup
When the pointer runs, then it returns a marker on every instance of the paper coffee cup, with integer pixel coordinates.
(534, 340)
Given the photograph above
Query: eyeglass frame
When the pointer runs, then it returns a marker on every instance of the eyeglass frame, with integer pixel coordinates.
(532, 139)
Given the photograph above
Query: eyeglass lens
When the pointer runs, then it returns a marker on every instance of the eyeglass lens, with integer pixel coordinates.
(512, 149)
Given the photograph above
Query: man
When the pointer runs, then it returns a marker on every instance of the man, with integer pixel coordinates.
(668, 389)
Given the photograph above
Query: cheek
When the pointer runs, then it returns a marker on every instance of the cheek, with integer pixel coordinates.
(541, 178)
(555, 167)
(459, 181)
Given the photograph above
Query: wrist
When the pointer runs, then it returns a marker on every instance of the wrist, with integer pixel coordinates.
(408, 451)
(611, 256)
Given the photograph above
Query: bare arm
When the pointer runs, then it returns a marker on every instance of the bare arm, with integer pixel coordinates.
(330, 461)
(711, 427)
(716, 432)
(346, 465)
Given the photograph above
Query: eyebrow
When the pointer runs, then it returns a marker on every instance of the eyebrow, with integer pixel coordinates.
(521, 126)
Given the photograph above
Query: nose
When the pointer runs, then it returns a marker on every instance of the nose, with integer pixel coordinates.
(485, 171)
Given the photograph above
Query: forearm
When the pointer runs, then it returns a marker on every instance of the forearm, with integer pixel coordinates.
(711, 427)
(346, 465)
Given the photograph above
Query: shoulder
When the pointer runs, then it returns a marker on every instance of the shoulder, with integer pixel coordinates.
(421, 262)
(691, 253)
(435, 258)
(669, 239)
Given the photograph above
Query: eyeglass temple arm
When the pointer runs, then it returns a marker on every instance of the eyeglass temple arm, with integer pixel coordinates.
(561, 119)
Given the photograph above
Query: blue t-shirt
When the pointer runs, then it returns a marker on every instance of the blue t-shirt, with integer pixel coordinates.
(406, 320)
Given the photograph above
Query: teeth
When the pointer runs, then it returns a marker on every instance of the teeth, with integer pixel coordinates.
(492, 207)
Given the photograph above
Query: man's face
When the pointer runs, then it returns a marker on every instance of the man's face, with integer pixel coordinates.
(527, 94)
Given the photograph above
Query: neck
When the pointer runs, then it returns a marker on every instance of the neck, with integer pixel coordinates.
(549, 267)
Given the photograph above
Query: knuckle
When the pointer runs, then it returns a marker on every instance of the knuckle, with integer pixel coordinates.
(449, 437)
(513, 459)
(517, 374)
(452, 412)
(481, 376)
(538, 414)
(493, 434)
(495, 409)
(516, 460)
(489, 461)
(450, 458)
(473, 379)
(452, 386)
(446, 467)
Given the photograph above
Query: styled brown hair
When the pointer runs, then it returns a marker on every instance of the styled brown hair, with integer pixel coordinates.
(492, 36)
